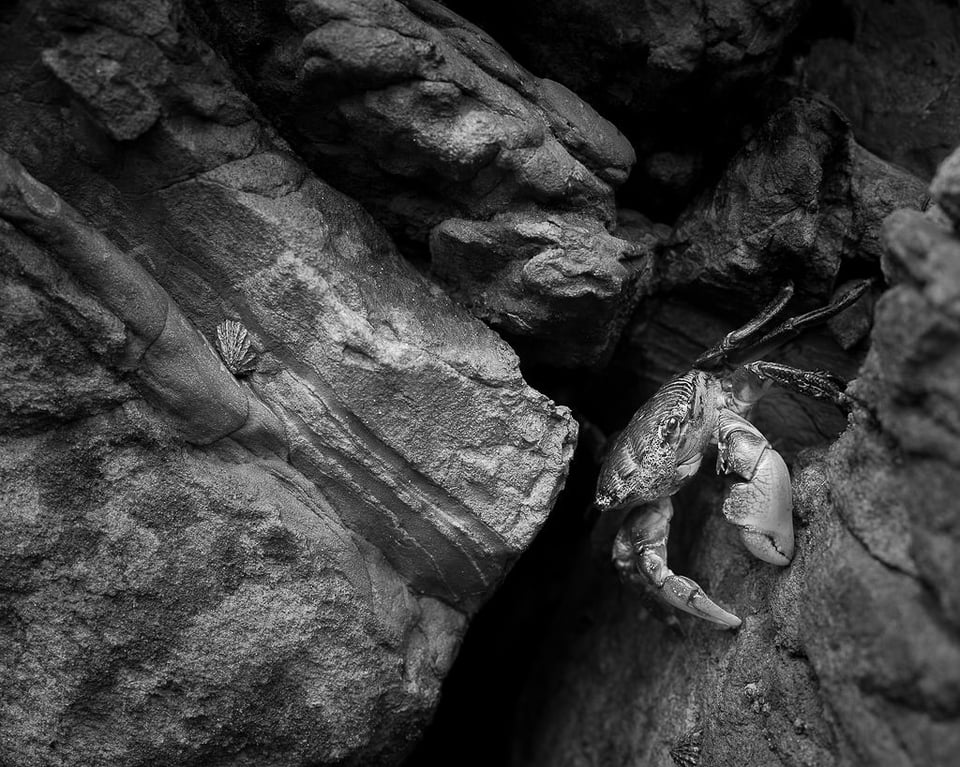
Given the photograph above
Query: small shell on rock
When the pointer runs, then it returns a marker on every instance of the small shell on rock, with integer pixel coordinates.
(686, 752)
(233, 345)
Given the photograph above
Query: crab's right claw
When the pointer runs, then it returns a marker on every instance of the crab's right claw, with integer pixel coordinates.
(760, 503)
(640, 553)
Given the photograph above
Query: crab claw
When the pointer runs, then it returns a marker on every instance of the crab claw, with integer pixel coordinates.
(762, 503)
(640, 553)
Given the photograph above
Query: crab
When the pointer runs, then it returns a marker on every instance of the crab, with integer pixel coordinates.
(664, 444)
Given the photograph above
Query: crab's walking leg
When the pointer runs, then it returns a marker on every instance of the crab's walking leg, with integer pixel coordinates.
(725, 352)
(640, 552)
(761, 503)
(749, 343)
(818, 384)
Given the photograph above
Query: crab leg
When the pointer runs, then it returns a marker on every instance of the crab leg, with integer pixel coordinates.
(818, 384)
(761, 504)
(640, 553)
(724, 352)
(746, 344)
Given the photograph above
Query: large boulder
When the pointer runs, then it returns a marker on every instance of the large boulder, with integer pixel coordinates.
(275, 568)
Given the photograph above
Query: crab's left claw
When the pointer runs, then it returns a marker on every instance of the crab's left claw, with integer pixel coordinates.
(640, 554)
(760, 503)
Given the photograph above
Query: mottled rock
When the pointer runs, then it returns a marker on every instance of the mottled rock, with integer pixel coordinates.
(561, 283)
(169, 605)
(892, 67)
(433, 126)
(275, 570)
(418, 113)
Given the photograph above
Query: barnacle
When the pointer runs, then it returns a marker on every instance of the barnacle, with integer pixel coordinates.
(686, 752)
(234, 347)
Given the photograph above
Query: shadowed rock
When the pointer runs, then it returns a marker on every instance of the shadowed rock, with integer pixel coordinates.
(797, 201)
(560, 284)
(679, 78)
(892, 69)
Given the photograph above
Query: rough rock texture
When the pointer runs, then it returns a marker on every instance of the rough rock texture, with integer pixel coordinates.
(517, 270)
(798, 200)
(849, 656)
(892, 68)
(197, 569)
(424, 118)
(678, 77)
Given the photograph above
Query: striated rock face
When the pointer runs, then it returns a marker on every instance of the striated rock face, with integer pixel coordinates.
(198, 568)
(891, 67)
(850, 655)
(429, 123)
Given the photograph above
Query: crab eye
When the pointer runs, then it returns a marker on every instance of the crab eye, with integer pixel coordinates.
(669, 427)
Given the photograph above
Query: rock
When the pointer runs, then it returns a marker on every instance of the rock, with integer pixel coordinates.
(848, 656)
(945, 187)
(419, 114)
(435, 128)
(891, 68)
(801, 202)
(167, 602)
(276, 569)
(430, 124)
(560, 283)
(679, 78)
(799, 199)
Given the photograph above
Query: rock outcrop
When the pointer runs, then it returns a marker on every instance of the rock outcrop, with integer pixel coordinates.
(275, 569)
(434, 127)
(679, 78)
(799, 199)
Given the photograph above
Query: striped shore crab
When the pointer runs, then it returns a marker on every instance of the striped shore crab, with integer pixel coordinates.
(664, 443)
